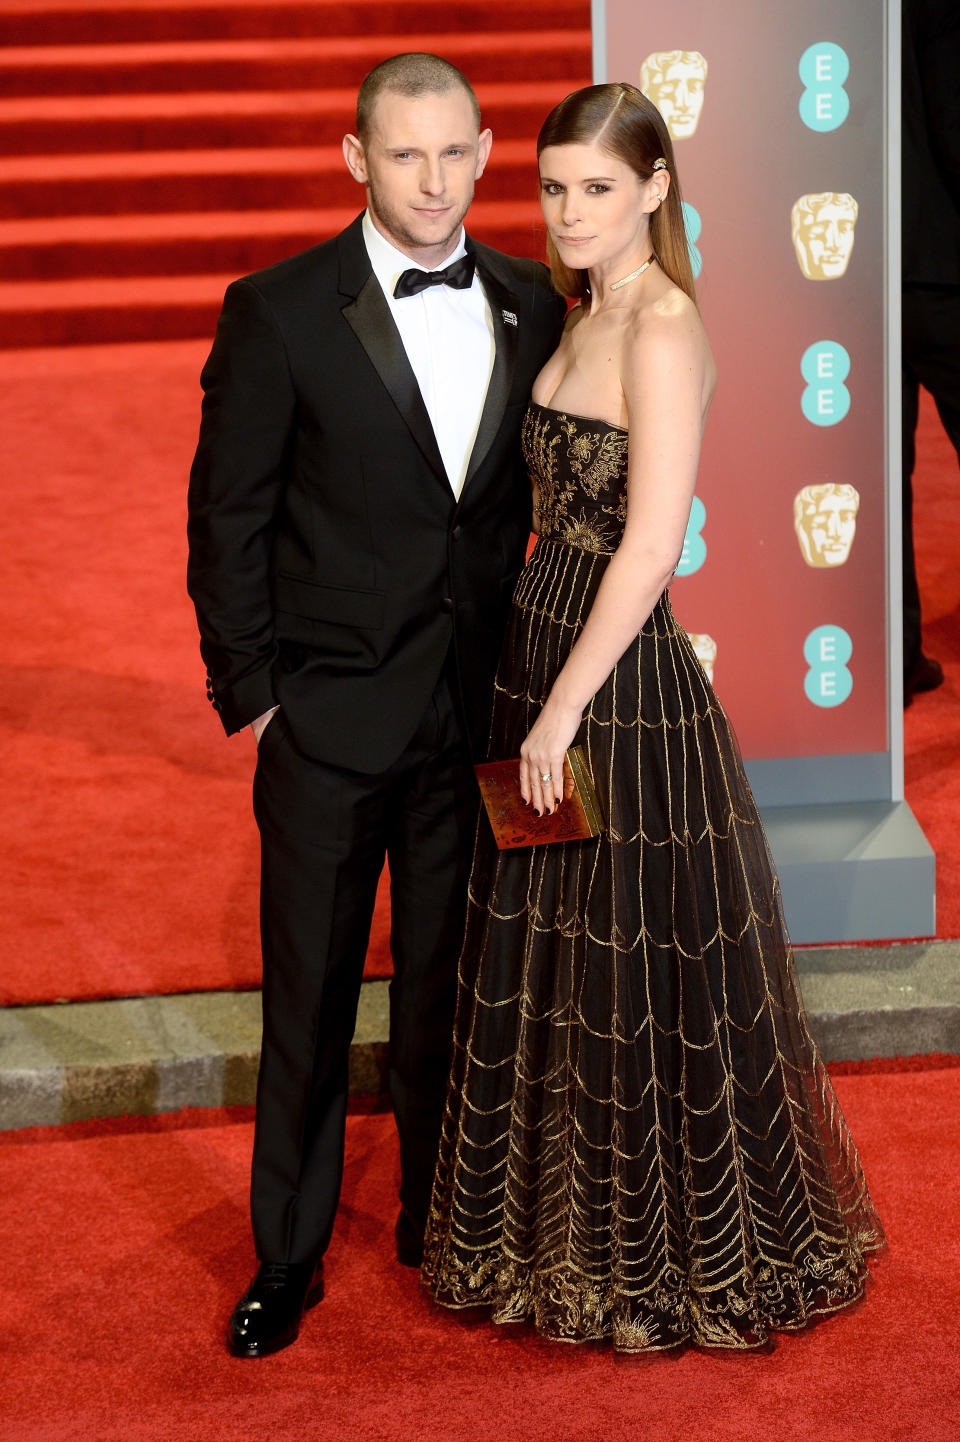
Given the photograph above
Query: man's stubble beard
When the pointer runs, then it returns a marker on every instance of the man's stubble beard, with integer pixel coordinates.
(391, 221)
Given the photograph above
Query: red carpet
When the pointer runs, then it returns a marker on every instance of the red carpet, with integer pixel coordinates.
(932, 723)
(126, 1248)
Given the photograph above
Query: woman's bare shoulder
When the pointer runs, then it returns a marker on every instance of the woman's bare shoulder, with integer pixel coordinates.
(666, 335)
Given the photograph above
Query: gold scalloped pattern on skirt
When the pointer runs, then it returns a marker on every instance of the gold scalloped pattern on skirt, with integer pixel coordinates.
(641, 1141)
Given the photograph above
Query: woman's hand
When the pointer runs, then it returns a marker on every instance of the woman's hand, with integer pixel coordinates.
(542, 755)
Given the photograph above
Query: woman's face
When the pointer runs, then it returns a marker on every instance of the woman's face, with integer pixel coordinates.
(596, 208)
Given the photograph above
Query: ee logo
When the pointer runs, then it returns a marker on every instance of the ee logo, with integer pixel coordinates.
(825, 366)
(694, 551)
(824, 104)
(693, 225)
(826, 651)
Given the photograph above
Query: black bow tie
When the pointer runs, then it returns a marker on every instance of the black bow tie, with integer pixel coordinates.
(459, 275)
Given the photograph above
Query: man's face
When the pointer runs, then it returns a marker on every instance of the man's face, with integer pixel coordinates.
(824, 239)
(419, 165)
(826, 523)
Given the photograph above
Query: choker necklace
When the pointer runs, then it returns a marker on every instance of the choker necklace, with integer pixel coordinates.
(633, 274)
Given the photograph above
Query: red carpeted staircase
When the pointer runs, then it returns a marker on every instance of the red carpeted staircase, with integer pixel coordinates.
(151, 150)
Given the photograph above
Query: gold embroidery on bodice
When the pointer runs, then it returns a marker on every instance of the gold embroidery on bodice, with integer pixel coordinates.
(579, 467)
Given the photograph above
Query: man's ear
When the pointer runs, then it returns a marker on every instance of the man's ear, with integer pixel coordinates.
(483, 151)
(355, 158)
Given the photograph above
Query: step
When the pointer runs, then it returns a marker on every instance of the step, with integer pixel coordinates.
(296, 64)
(134, 307)
(58, 125)
(114, 22)
(256, 179)
(89, 312)
(211, 242)
(153, 1054)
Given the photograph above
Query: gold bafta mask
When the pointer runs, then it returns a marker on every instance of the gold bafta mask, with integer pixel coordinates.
(706, 649)
(825, 520)
(674, 80)
(822, 227)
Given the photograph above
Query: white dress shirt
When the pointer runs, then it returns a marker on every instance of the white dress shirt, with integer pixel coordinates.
(449, 340)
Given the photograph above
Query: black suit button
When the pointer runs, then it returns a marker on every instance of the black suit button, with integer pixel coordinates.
(447, 603)
(457, 532)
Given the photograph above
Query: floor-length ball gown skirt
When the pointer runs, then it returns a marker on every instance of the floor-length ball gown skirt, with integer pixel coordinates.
(641, 1141)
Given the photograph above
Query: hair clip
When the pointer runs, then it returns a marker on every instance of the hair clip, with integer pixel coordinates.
(660, 163)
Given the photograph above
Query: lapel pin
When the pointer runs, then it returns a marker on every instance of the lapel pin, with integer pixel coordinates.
(509, 317)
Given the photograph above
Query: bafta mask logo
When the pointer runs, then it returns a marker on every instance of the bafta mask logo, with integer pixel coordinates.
(825, 520)
(674, 80)
(706, 648)
(822, 226)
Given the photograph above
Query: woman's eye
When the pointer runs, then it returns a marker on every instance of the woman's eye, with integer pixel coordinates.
(598, 189)
(550, 187)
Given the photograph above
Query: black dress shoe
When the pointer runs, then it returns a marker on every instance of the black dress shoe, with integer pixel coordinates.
(409, 1240)
(267, 1316)
(925, 674)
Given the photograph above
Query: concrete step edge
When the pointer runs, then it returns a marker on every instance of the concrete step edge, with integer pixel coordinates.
(143, 1055)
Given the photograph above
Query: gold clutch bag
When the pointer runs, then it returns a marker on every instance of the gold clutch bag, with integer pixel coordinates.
(515, 824)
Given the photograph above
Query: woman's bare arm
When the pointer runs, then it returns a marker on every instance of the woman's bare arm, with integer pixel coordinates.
(667, 375)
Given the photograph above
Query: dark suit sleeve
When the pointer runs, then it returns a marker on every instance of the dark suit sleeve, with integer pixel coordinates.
(236, 488)
(938, 56)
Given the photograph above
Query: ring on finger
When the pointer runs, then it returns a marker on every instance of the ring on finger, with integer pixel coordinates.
(546, 776)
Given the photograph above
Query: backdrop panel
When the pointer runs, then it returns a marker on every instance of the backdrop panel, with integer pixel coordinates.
(785, 128)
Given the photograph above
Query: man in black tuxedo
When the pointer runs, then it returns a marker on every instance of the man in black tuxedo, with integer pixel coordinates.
(359, 511)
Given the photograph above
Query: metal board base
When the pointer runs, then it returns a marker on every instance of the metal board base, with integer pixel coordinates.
(853, 871)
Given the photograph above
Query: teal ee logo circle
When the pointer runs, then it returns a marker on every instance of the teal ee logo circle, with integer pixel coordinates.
(824, 104)
(826, 651)
(693, 225)
(694, 551)
(825, 366)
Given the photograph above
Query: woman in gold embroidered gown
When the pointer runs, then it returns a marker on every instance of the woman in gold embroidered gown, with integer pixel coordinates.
(641, 1141)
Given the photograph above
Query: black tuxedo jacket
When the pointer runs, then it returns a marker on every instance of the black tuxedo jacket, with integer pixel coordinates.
(931, 142)
(330, 564)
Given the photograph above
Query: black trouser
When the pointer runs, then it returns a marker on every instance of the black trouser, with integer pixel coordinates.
(931, 358)
(324, 835)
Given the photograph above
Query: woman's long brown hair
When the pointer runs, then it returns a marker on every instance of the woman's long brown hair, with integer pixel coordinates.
(622, 121)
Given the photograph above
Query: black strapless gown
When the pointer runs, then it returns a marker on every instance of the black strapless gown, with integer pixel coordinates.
(641, 1140)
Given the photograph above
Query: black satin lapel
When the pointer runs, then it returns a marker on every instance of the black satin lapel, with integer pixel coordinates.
(370, 319)
(504, 313)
